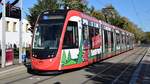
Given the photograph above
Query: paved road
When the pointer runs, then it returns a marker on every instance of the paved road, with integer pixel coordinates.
(71, 77)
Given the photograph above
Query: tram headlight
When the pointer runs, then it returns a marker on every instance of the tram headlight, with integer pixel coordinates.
(35, 56)
(49, 56)
(52, 55)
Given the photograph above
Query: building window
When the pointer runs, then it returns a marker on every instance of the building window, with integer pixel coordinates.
(7, 26)
(14, 26)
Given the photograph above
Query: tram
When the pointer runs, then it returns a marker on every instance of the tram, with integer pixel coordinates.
(68, 39)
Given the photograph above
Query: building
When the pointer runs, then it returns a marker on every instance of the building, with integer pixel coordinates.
(12, 33)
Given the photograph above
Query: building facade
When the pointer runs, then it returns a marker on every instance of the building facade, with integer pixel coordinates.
(12, 33)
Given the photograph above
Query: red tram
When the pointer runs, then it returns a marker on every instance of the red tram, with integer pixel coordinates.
(67, 39)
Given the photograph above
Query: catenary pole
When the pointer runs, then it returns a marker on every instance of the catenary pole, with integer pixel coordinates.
(3, 35)
(20, 34)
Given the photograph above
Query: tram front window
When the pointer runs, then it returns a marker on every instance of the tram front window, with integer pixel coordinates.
(48, 30)
(47, 36)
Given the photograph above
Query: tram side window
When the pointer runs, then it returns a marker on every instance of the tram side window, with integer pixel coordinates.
(127, 40)
(97, 31)
(124, 39)
(85, 34)
(121, 40)
(118, 39)
(91, 35)
(106, 38)
(112, 40)
(71, 36)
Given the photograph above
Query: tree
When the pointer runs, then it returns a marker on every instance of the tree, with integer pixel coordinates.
(110, 13)
(40, 7)
(146, 38)
(97, 14)
(80, 5)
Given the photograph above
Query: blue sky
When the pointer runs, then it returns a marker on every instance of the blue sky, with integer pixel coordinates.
(137, 11)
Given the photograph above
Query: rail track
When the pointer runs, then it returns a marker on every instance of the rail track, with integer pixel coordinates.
(118, 74)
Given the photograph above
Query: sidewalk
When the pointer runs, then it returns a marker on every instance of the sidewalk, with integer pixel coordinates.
(16, 67)
(12, 69)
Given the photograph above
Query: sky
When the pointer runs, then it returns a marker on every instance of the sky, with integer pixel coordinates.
(137, 11)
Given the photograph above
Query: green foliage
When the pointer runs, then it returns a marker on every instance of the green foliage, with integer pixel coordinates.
(41, 6)
(98, 15)
(80, 5)
(146, 38)
(110, 14)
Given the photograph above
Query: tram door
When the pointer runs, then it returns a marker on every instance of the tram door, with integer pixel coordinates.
(127, 41)
(121, 44)
(112, 42)
(117, 42)
(123, 37)
(106, 42)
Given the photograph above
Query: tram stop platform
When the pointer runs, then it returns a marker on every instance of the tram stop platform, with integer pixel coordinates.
(14, 68)
(142, 73)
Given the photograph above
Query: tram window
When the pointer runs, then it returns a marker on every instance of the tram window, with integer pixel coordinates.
(124, 39)
(97, 31)
(85, 34)
(118, 39)
(91, 35)
(71, 36)
(106, 38)
(127, 40)
(112, 39)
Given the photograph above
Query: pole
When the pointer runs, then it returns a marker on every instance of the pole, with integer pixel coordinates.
(3, 35)
(20, 35)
